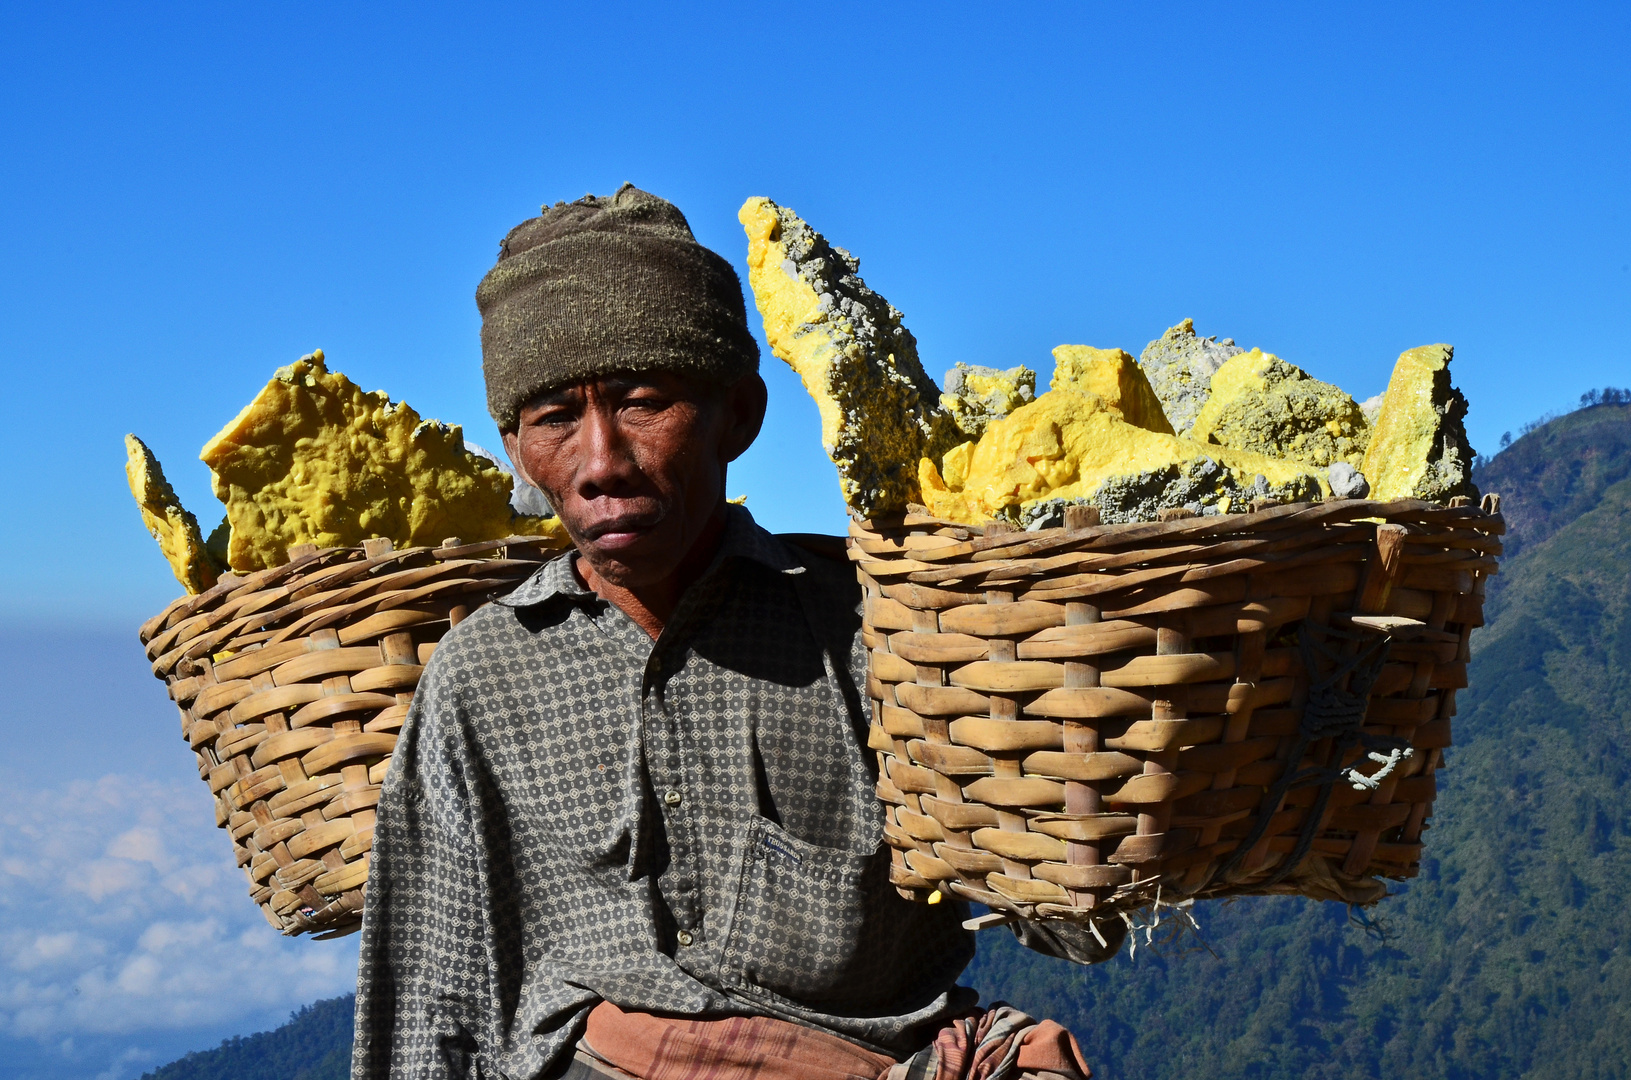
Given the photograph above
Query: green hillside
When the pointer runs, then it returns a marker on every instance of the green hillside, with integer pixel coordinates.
(1508, 957)
(314, 1045)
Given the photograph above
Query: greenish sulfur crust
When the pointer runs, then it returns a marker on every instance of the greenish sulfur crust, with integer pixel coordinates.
(314, 459)
(1261, 403)
(976, 395)
(192, 561)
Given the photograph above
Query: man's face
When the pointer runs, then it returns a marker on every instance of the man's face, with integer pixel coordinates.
(635, 465)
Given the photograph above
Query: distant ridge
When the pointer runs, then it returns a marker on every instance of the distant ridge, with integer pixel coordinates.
(1556, 472)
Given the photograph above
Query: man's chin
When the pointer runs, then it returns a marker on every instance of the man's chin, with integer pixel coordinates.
(631, 560)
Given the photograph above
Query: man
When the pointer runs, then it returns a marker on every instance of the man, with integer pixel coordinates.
(630, 820)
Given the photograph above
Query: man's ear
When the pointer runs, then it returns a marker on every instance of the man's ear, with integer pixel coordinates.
(745, 404)
(512, 450)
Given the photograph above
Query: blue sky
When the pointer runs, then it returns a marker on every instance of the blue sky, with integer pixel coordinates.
(193, 196)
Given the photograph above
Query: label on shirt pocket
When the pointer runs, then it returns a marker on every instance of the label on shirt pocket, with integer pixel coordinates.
(811, 924)
(783, 849)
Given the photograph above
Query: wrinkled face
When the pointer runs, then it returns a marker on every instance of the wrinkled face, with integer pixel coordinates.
(635, 465)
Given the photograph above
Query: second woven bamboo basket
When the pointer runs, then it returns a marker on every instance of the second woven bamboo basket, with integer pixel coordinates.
(1075, 722)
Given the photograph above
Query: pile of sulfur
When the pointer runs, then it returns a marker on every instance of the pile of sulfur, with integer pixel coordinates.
(314, 459)
(1193, 424)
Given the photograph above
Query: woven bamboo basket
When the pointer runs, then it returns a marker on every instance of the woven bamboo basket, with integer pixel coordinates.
(292, 683)
(1077, 722)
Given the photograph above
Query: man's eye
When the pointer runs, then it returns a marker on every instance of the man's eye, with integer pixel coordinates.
(554, 419)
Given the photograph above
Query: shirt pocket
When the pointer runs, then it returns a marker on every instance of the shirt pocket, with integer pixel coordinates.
(811, 922)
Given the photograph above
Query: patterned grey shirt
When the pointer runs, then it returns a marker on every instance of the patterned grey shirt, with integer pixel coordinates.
(575, 812)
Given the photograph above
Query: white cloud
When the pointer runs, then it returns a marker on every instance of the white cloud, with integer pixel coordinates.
(122, 1065)
(141, 844)
(104, 878)
(122, 914)
(54, 949)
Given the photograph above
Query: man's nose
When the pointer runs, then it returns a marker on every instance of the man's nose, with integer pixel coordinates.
(608, 466)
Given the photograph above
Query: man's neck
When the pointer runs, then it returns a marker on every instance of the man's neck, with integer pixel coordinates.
(651, 606)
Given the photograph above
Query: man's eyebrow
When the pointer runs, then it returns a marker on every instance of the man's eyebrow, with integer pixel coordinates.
(618, 385)
(622, 384)
(563, 396)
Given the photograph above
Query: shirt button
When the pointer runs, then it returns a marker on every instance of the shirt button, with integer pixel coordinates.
(683, 937)
(672, 798)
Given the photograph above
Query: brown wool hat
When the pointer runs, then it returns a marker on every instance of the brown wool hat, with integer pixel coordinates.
(607, 283)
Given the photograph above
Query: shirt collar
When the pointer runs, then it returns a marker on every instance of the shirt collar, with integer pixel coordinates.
(743, 539)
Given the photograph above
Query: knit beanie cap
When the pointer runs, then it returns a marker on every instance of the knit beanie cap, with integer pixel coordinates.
(612, 283)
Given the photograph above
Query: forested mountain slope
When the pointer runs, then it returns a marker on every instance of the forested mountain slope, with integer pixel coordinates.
(314, 1045)
(1509, 957)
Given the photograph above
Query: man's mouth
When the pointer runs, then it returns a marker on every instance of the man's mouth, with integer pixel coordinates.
(624, 529)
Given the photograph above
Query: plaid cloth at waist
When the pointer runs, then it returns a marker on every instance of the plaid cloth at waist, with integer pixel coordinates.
(1000, 1043)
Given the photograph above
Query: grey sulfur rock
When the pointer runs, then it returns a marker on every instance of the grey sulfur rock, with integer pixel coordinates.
(524, 498)
(1199, 485)
(1347, 482)
(1179, 366)
(1372, 407)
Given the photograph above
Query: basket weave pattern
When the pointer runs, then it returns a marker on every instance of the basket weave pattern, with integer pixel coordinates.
(1068, 721)
(292, 683)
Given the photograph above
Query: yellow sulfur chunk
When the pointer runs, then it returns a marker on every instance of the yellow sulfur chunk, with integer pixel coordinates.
(1419, 448)
(1261, 403)
(880, 412)
(172, 526)
(1113, 376)
(954, 465)
(1071, 445)
(314, 459)
(987, 448)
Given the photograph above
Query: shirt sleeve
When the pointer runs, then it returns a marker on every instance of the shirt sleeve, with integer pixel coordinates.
(422, 985)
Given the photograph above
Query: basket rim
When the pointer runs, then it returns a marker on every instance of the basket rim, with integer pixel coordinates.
(1333, 510)
(209, 620)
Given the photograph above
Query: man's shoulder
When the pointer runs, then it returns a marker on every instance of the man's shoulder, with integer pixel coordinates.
(829, 548)
(492, 634)
(825, 581)
(822, 556)
(820, 568)
(488, 623)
